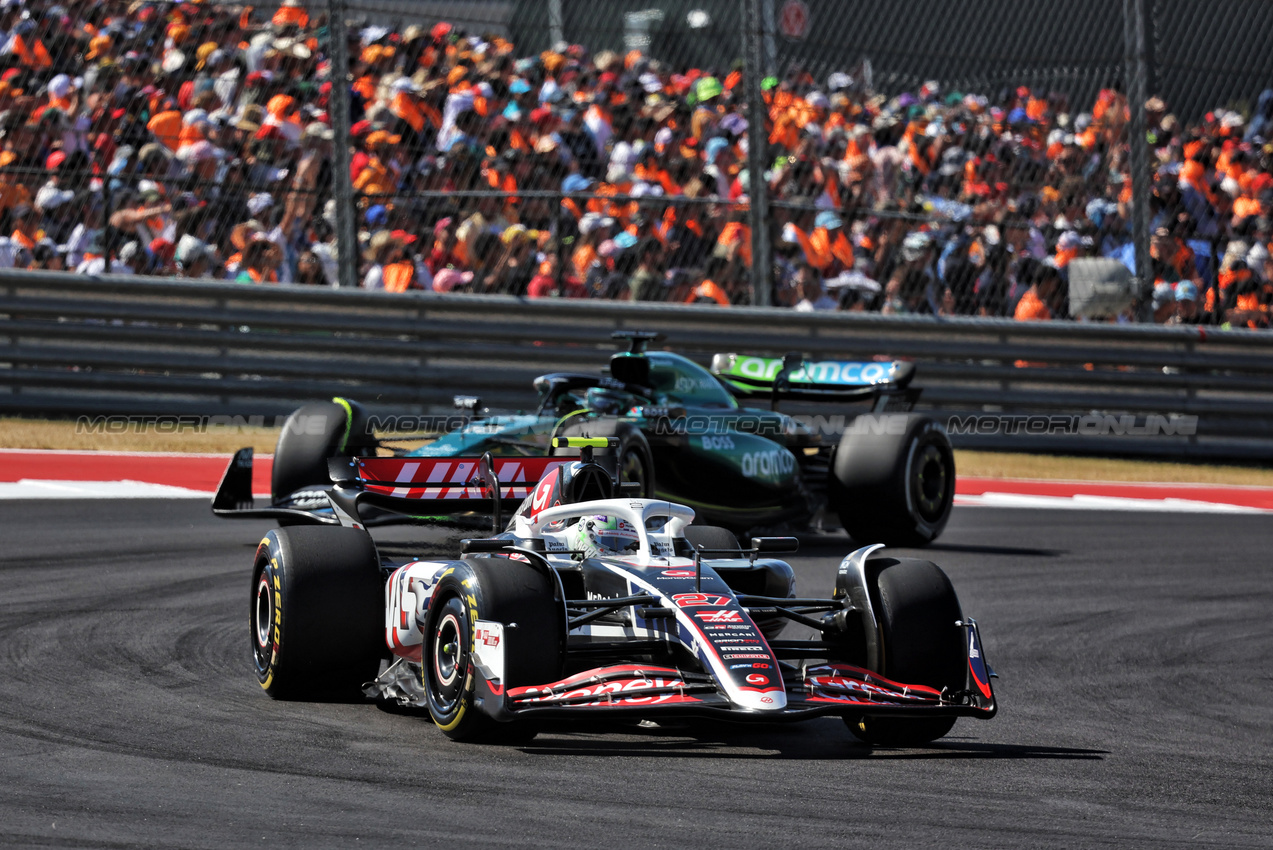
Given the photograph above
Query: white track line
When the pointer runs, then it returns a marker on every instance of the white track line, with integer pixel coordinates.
(32, 488)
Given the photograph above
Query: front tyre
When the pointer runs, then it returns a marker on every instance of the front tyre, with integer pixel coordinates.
(917, 610)
(893, 480)
(448, 671)
(500, 590)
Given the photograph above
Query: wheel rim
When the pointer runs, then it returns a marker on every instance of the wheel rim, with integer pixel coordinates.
(448, 655)
(263, 617)
(930, 482)
(633, 469)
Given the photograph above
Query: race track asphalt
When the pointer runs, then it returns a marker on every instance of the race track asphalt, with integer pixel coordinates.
(1136, 709)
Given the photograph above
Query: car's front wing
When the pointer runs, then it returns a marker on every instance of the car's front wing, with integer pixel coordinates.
(828, 689)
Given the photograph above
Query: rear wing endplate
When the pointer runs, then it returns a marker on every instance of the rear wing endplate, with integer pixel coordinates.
(234, 500)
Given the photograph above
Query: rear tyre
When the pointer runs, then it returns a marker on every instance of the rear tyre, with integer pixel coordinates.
(311, 435)
(507, 592)
(917, 610)
(895, 488)
(317, 612)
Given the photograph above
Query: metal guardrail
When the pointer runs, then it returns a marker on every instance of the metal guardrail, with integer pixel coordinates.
(72, 345)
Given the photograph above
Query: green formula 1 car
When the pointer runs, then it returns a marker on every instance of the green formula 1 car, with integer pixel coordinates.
(887, 474)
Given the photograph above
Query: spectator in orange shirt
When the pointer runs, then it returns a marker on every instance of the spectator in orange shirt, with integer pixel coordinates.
(1043, 300)
(708, 291)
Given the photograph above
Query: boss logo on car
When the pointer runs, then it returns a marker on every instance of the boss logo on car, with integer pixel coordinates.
(689, 600)
(715, 443)
(724, 615)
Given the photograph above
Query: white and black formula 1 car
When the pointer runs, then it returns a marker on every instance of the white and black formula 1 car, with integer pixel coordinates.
(591, 601)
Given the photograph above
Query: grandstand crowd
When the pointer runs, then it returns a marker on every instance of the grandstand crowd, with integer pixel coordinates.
(195, 140)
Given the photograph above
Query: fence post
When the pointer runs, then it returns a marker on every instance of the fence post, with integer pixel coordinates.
(757, 149)
(556, 29)
(1136, 71)
(342, 181)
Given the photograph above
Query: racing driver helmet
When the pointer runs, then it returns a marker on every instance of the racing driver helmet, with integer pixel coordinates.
(602, 536)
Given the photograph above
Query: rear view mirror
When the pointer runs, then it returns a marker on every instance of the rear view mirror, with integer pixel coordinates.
(774, 545)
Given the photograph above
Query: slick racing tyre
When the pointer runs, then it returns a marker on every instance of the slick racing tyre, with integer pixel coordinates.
(920, 645)
(634, 458)
(317, 614)
(894, 484)
(503, 591)
(311, 435)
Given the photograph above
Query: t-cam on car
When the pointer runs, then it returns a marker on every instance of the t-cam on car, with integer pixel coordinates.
(593, 601)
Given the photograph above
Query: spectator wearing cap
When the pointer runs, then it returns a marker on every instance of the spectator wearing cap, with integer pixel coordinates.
(375, 178)
(1069, 246)
(194, 258)
(392, 269)
(1186, 303)
(240, 236)
(1164, 301)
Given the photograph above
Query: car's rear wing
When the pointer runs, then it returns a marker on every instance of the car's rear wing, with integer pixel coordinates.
(794, 377)
(399, 488)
